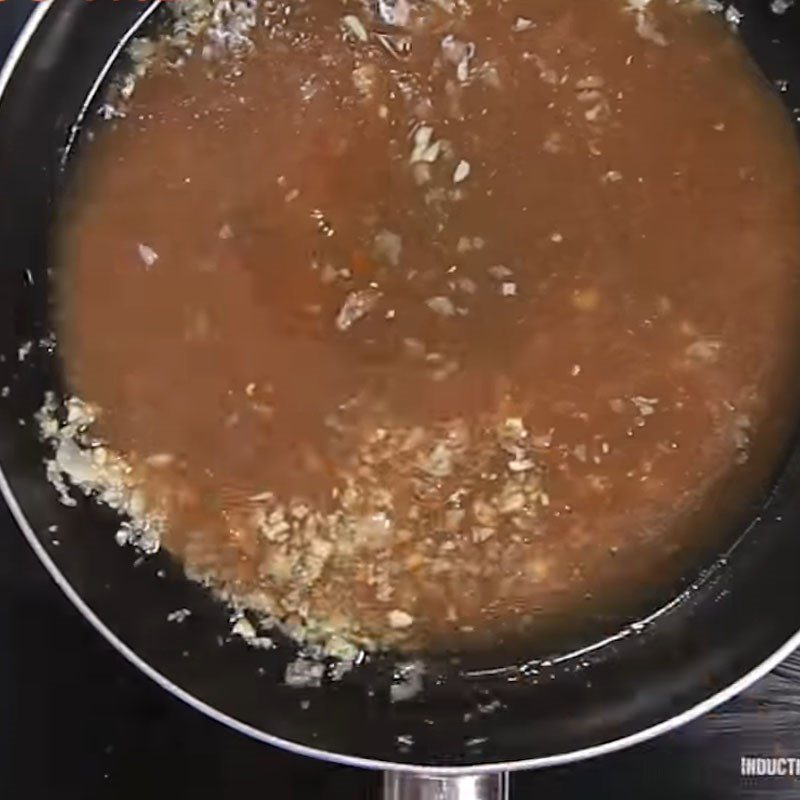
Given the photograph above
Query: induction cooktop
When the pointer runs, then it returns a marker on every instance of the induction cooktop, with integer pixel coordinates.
(78, 721)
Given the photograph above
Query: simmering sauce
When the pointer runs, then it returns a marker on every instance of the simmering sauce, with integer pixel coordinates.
(424, 322)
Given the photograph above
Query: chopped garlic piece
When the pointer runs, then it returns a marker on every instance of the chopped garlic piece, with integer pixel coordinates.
(147, 254)
(462, 171)
(522, 24)
(355, 26)
(400, 619)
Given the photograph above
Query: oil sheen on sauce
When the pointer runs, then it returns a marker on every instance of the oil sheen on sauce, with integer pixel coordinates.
(447, 329)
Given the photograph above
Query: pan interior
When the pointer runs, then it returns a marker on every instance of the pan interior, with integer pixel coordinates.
(474, 707)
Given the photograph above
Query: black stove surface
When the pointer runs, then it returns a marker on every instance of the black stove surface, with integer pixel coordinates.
(78, 721)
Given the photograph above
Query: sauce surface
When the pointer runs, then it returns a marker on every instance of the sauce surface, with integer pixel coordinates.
(421, 334)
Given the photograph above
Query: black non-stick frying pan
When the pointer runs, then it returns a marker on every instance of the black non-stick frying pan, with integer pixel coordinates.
(477, 715)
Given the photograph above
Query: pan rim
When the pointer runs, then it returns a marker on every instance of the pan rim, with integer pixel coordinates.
(7, 70)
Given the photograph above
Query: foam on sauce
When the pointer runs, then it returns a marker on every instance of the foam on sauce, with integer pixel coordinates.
(449, 324)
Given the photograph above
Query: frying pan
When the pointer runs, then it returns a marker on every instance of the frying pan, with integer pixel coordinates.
(477, 715)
